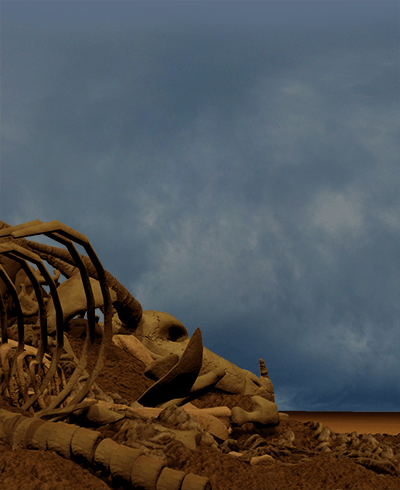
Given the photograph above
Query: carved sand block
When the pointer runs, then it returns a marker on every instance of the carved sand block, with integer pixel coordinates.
(103, 454)
(195, 482)
(59, 439)
(170, 479)
(39, 438)
(84, 442)
(122, 461)
(36, 423)
(18, 437)
(8, 422)
(145, 472)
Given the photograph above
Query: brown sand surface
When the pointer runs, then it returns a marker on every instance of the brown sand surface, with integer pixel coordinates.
(362, 422)
(302, 467)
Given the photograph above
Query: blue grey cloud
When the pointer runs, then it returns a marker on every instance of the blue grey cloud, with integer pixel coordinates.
(234, 164)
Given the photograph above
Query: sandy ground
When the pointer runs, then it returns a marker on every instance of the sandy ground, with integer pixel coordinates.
(302, 467)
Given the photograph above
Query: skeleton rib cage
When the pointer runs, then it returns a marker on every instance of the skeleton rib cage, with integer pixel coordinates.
(26, 373)
(33, 375)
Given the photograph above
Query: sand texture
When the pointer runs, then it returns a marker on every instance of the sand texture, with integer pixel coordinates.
(299, 464)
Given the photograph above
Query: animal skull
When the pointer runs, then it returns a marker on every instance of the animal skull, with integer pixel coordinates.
(163, 334)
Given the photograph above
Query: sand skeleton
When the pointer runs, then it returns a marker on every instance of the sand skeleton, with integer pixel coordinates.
(34, 381)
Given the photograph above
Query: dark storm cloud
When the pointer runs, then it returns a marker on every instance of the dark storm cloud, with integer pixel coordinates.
(238, 170)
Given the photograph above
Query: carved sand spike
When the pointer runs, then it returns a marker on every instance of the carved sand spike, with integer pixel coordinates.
(52, 381)
(263, 369)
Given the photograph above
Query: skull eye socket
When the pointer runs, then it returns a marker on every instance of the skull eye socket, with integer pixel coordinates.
(174, 333)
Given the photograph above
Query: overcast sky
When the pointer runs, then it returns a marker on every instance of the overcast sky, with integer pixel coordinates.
(235, 164)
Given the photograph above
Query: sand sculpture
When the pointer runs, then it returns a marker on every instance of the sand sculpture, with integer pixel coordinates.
(34, 379)
(162, 335)
(134, 443)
